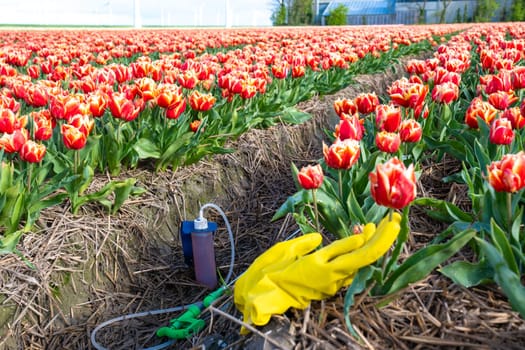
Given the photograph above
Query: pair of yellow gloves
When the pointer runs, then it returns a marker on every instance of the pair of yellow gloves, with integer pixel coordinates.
(291, 273)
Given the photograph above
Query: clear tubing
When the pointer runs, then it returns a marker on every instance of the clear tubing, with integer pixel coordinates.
(135, 315)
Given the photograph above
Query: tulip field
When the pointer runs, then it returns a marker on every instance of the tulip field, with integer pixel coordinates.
(76, 105)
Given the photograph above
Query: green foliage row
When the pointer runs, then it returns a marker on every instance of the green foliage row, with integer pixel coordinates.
(116, 145)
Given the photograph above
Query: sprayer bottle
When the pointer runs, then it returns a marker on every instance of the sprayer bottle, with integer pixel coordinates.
(203, 253)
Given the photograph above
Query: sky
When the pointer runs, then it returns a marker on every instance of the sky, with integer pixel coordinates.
(240, 13)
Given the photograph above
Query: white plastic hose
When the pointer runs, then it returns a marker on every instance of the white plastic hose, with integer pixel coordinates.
(176, 308)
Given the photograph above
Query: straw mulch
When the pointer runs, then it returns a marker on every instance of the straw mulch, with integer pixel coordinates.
(76, 272)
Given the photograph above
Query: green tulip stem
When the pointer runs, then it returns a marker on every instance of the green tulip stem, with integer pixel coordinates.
(340, 173)
(29, 175)
(76, 161)
(316, 212)
(164, 129)
(384, 262)
(509, 210)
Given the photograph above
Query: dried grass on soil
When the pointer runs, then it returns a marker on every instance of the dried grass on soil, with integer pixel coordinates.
(103, 267)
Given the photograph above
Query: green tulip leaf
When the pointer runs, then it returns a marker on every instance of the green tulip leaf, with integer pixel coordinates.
(468, 274)
(288, 206)
(504, 277)
(357, 286)
(421, 263)
(9, 242)
(355, 212)
(145, 149)
(501, 242)
(447, 211)
(292, 115)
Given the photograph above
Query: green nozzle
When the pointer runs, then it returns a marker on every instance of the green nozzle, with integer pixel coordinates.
(188, 323)
(210, 298)
(184, 326)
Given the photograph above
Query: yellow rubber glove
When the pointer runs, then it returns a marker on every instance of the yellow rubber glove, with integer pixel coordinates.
(289, 274)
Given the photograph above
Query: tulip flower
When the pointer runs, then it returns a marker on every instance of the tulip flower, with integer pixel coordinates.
(443, 76)
(445, 93)
(72, 137)
(43, 124)
(201, 102)
(421, 111)
(501, 132)
(504, 64)
(36, 96)
(194, 125)
(350, 127)
(388, 118)
(502, 99)
(416, 67)
(410, 131)
(341, 154)
(64, 106)
(262, 84)
(500, 82)
(248, 89)
(188, 79)
(8, 121)
(518, 77)
(123, 108)
(19, 90)
(33, 71)
(392, 184)
(146, 88)
(388, 141)
(481, 109)
(456, 65)
(280, 70)
(32, 152)
(366, 102)
(171, 97)
(414, 79)
(406, 94)
(508, 174)
(344, 107)
(487, 58)
(176, 108)
(311, 178)
(298, 71)
(9, 103)
(98, 102)
(166, 95)
(122, 72)
(230, 83)
(82, 122)
(128, 91)
(516, 118)
(12, 143)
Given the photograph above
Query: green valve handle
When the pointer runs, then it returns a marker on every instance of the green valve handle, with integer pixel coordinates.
(188, 323)
(185, 325)
(210, 298)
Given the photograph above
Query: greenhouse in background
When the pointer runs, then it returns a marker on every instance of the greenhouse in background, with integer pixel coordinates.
(375, 12)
